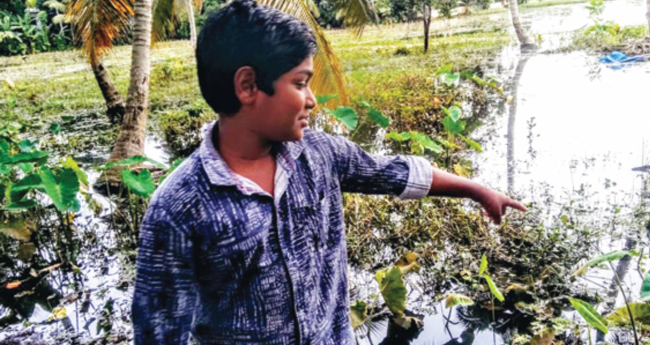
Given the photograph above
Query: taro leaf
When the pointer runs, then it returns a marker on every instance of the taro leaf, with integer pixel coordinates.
(454, 299)
(378, 117)
(16, 228)
(493, 288)
(483, 267)
(444, 69)
(57, 314)
(460, 170)
(27, 145)
(640, 312)
(141, 184)
(325, 98)
(590, 314)
(358, 314)
(603, 258)
(453, 127)
(408, 263)
(398, 136)
(416, 148)
(134, 160)
(18, 190)
(62, 189)
(26, 167)
(346, 115)
(426, 142)
(392, 289)
(4, 146)
(451, 79)
(645, 288)
(455, 112)
(446, 143)
(25, 157)
(55, 128)
(70, 163)
(20, 205)
(472, 144)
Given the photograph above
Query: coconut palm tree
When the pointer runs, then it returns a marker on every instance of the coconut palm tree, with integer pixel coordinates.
(97, 23)
(647, 15)
(524, 39)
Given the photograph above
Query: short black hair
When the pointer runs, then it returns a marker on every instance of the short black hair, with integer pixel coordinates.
(244, 33)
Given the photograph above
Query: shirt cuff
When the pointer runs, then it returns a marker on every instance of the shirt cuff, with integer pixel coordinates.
(420, 178)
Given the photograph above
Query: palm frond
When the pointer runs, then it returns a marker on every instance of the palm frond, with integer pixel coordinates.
(328, 76)
(198, 4)
(356, 14)
(165, 19)
(98, 22)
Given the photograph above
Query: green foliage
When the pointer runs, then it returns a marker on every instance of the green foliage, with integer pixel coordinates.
(603, 258)
(141, 184)
(590, 314)
(645, 288)
(346, 115)
(358, 314)
(640, 313)
(493, 288)
(29, 32)
(62, 188)
(392, 289)
(456, 299)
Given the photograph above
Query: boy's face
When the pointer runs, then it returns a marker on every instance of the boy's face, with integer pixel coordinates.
(283, 116)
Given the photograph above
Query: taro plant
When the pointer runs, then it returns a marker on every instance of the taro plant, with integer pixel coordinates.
(348, 116)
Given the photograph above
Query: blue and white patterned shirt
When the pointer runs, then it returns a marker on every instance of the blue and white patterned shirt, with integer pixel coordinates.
(226, 262)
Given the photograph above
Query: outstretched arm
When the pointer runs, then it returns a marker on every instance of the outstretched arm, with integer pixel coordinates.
(495, 203)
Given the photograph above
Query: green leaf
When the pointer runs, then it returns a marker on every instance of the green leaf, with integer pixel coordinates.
(451, 79)
(141, 184)
(20, 205)
(454, 299)
(71, 164)
(483, 267)
(18, 190)
(134, 160)
(27, 145)
(444, 69)
(17, 228)
(322, 99)
(472, 144)
(455, 112)
(395, 136)
(493, 288)
(448, 144)
(25, 157)
(67, 118)
(640, 313)
(426, 142)
(603, 258)
(392, 290)
(62, 189)
(358, 314)
(4, 146)
(346, 115)
(645, 288)
(378, 117)
(26, 167)
(453, 127)
(590, 314)
(55, 128)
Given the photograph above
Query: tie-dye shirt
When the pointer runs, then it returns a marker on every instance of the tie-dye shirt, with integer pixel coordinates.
(223, 262)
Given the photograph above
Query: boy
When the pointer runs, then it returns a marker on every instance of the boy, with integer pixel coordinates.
(244, 243)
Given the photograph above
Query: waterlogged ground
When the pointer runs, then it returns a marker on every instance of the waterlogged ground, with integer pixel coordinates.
(569, 149)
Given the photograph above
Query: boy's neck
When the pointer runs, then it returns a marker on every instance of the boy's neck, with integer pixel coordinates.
(237, 141)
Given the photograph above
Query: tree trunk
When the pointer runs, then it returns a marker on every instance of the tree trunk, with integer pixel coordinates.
(427, 25)
(114, 102)
(524, 40)
(190, 18)
(512, 114)
(131, 139)
(647, 16)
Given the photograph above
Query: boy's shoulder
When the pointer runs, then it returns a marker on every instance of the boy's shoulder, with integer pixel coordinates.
(181, 186)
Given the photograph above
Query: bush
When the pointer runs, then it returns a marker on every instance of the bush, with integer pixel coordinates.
(182, 128)
(31, 33)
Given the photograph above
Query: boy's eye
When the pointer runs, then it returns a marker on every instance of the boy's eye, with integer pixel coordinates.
(301, 84)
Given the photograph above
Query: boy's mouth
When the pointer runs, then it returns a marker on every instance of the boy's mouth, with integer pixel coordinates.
(304, 120)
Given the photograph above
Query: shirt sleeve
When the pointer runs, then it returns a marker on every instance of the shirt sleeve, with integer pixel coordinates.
(408, 177)
(164, 296)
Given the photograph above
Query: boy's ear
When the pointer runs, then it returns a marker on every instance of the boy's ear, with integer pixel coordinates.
(245, 86)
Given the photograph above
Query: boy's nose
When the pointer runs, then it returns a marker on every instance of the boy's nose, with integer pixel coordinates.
(311, 99)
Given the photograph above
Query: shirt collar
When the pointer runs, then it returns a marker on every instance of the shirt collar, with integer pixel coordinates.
(218, 171)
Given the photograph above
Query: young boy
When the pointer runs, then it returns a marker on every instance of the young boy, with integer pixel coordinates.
(244, 243)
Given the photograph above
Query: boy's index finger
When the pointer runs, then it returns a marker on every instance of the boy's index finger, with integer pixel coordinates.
(517, 205)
